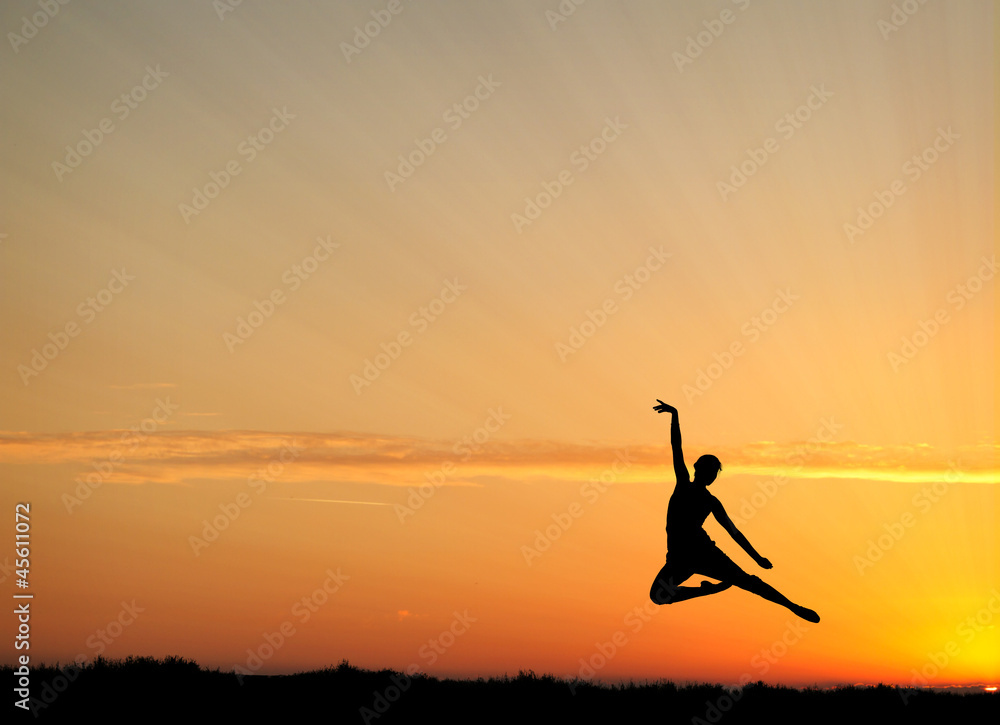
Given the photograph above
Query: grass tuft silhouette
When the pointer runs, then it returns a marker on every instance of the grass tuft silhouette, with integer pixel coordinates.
(174, 689)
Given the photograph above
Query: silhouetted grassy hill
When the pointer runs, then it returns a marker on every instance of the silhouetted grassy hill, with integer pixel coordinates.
(143, 689)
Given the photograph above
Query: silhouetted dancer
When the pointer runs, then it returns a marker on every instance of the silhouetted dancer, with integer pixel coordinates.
(690, 551)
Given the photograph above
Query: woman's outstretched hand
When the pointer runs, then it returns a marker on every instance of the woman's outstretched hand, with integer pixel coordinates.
(663, 407)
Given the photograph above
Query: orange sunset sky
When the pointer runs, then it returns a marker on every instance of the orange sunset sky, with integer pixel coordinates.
(333, 331)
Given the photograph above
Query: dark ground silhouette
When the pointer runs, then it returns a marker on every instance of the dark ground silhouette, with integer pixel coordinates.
(146, 690)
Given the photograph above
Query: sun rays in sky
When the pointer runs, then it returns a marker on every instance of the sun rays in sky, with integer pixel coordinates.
(285, 307)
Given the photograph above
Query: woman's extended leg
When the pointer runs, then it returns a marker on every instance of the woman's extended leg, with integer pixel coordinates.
(762, 589)
(719, 566)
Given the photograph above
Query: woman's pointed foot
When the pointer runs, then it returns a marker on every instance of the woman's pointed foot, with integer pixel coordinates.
(807, 614)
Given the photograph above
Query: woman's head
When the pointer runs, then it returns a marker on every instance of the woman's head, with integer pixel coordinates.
(706, 469)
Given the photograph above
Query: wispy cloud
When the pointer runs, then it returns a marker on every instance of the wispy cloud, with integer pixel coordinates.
(143, 386)
(186, 456)
(327, 500)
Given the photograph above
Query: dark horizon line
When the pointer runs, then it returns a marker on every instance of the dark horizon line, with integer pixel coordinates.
(132, 660)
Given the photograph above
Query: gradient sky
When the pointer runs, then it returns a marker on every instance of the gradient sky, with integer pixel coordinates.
(845, 377)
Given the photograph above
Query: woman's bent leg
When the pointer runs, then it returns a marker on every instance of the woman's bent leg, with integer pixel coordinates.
(667, 589)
